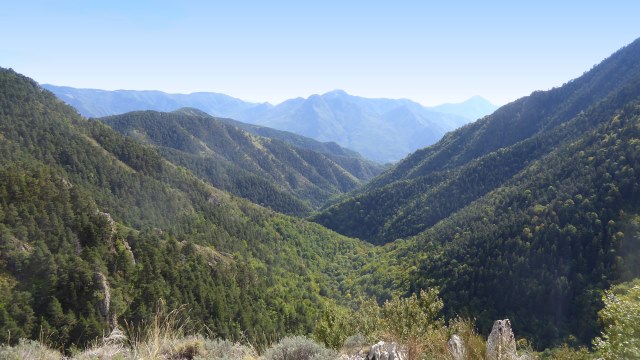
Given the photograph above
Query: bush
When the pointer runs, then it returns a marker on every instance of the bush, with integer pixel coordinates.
(566, 353)
(226, 350)
(621, 319)
(355, 344)
(299, 348)
(334, 326)
(28, 349)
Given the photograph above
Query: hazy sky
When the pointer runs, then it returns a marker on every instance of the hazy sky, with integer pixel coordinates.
(428, 51)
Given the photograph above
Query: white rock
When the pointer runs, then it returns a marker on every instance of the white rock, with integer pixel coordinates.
(456, 347)
(501, 344)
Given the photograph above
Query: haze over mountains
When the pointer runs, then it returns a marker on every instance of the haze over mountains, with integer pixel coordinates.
(529, 213)
(383, 130)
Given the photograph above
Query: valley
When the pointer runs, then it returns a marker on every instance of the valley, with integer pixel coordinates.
(263, 226)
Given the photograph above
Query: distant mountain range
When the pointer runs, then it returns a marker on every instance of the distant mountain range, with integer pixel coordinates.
(384, 130)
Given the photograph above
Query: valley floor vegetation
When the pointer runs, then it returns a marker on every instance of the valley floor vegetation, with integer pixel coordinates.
(415, 323)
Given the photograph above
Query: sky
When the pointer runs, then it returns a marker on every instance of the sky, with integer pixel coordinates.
(431, 52)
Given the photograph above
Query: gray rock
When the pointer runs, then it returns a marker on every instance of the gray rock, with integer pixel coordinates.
(385, 351)
(456, 347)
(501, 344)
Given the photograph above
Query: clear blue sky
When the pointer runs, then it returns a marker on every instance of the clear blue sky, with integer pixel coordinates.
(428, 51)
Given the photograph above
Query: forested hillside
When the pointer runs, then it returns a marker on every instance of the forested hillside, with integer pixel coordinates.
(269, 172)
(96, 228)
(349, 159)
(528, 213)
(435, 182)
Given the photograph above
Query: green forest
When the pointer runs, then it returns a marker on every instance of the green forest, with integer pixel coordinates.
(531, 213)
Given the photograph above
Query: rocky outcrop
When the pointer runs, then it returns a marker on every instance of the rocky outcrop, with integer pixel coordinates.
(379, 351)
(110, 221)
(105, 305)
(455, 345)
(385, 351)
(501, 344)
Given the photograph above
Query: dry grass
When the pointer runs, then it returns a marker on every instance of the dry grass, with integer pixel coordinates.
(28, 349)
(158, 338)
(113, 346)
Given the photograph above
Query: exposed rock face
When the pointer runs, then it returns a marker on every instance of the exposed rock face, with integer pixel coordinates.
(456, 347)
(110, 220)
(501, 344)
(379, 351)
(105, 306)
(127, 248)
(385, 351)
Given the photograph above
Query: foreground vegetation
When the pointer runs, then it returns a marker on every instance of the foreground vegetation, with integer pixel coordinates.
(415, 323)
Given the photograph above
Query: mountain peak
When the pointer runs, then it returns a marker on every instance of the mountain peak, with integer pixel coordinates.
(473, 108)
(335, 93)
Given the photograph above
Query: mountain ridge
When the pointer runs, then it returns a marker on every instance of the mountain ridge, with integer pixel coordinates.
(270, 172)
(515, 122)
(319, 116)
(526, 213)
(97, 229)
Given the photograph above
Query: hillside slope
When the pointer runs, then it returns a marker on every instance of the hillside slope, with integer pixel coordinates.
(437, 181)
(96, 228)
(270, 172)
(527, 214)
(348, 159)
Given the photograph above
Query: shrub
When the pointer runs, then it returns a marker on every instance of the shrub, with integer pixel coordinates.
(226, 350)
(354, 344)
(28, 349)
(566, 353)
(621, 319)
(335, 325)
(410, 320)
(299, 348)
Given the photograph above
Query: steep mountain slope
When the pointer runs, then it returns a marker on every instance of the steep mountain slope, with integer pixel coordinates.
(527, 214)
(540, 249)
(380, 129)
(98, 103)
(350, 160)
(96, 228)
(269, 172)
(435, 182)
